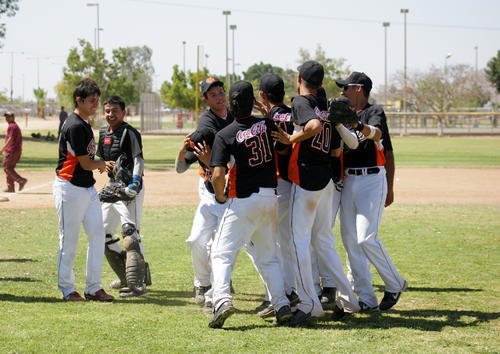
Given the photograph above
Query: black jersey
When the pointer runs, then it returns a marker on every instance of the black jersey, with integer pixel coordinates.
(76, 139)
(370, 153)
(125, 139)
(209, 124)
(310, 166)
(249, 141)
(282, 116)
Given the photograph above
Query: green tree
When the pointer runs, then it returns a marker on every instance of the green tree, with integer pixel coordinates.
(41, 96)
(84, 61)
(131, 73)
(8, 8)
(127, 75)
(3, 97)
(179, 92)
(334, 68)
(493, 71)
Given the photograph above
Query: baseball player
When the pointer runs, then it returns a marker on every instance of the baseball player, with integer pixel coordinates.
(342, 136)
(311, 196)
(208, 212)
(251, 204)
(271, 93)
(368, 185)
(76, 199)
(121, 144)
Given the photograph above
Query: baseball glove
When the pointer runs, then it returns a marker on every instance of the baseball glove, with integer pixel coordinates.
(342, 111)
(114, 193)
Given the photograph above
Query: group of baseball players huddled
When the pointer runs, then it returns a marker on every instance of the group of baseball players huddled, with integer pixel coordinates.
(271, 185)
(274, 185)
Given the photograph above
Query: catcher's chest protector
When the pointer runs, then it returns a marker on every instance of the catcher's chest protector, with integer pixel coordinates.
(111, 143)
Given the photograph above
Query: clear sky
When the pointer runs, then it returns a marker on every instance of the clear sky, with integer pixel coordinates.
(268, 31)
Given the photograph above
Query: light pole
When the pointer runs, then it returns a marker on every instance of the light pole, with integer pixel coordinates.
(227, 13)
(184, 56)
(233, 28)
(404, 12)
(385, 24)
(475, 49)
(206, 60)
(448, 56)
(11, 73)
(96, 4)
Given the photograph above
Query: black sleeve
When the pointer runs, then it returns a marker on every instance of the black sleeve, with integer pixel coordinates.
(190, 157)
(302, 112)
(135, 143)
(76, 136)
(220, 152)
(336, 139)
(378, 119)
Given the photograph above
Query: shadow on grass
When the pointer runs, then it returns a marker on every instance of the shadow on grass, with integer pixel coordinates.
(28, 299)
(433, 290)
(160, 297)
(19, 279)
(17, 260)
(424, 320)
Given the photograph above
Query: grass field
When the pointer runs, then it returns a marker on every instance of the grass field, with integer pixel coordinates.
(160, 152)
(448, 254)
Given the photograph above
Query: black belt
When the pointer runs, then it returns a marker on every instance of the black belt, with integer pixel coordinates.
(363, 171)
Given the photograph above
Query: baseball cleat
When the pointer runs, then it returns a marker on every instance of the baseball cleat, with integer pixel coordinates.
(339, 313)
(391, 299)
(221, 315)
(208, 307)
(300, 318)
(327, 298)
(199, 294)
(294, 299)
(283, 316)
(367, 308)
(266, 312)
(117, 284)
(100, 295)
(262, 306)
(73, 297)
(22, 184)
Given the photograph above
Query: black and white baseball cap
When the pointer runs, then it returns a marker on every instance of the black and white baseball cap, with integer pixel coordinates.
(208, 83)
(8, 114)
(313, 72)
(356, 78)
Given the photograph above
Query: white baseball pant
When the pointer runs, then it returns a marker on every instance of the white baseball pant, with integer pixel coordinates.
(119, 213)
(205, 222)
(311, 221)
(362, 205)
(248, 220)
(76, 206)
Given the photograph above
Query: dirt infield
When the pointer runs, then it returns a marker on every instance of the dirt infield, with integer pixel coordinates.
(412, 186)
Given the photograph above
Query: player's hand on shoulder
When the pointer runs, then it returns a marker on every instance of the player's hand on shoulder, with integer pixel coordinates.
(281, 136)
(262, 108)
(203, 152)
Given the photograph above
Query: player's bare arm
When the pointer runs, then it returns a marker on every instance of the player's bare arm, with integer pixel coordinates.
(390, 170)
(311, 128)
(219, 183)
(88, 164)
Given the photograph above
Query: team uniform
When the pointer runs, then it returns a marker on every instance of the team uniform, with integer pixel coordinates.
(77, 203)
(124, 143)
(311, 208)
(209, 212)
(362, 205)
(251, 210)
(282, 116)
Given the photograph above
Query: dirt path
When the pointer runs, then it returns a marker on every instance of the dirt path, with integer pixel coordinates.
(412, 186)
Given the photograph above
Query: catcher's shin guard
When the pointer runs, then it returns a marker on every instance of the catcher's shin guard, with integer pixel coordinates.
(116, 261)
(147, 275)
(135, 267)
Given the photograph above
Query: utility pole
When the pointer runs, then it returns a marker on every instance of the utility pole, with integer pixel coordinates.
(227, 13)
